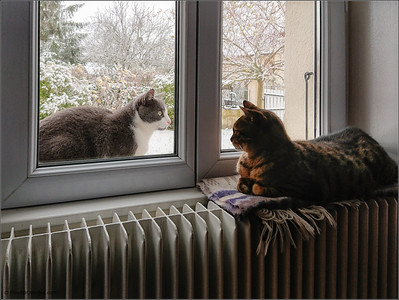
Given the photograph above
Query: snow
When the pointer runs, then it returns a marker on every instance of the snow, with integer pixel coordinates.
(226, 135)
(162, 142)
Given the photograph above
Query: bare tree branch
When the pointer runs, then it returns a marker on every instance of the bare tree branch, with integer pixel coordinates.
(132, 35)
(253, 41)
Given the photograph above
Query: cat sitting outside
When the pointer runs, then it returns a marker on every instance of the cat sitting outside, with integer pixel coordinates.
(339, 166)
(91, 132)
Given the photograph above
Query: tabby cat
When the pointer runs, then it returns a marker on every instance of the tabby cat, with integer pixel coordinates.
(330, 168)
(92, 132)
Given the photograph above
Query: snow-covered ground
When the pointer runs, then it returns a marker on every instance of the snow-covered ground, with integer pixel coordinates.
(162, 142)
(226, 135)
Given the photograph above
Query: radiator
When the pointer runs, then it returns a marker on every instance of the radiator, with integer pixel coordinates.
(203, 252)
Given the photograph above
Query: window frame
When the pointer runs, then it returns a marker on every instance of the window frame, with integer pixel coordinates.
(25, 183)
(329, 71)
(199, 154)
(332, 69)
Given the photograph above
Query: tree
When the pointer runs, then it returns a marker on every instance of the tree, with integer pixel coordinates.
(59, 35)
(253, 42)
(132, 35)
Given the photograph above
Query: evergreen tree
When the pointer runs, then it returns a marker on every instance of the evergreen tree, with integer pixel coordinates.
(59, 34)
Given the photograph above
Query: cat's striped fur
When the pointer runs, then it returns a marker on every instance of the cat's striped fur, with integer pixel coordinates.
(334, 167)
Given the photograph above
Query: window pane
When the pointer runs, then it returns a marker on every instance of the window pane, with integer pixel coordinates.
(115, 62)
(268, 46)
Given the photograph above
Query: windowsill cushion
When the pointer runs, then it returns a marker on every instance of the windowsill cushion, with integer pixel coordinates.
(276, 222)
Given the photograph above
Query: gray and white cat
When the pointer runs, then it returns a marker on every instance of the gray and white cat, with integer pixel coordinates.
(91, 132)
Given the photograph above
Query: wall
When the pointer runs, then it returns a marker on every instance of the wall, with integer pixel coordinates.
(373, 70)
(299, 58)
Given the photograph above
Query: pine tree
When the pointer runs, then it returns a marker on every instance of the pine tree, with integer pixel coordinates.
(59, 34)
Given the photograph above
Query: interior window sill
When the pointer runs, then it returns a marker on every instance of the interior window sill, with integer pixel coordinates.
(56, 214)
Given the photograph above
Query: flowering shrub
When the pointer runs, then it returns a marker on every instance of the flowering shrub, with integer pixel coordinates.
(60, 88)
(64, 85)
(114, 89)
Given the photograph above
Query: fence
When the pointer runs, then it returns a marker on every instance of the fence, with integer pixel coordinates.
(274, 101)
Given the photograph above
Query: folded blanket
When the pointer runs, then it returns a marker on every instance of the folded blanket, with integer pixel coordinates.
(277, 223)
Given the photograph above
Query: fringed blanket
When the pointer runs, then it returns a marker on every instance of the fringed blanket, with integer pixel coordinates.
(277, 223)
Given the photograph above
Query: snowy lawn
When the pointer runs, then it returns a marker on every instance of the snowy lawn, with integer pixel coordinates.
(162, 142)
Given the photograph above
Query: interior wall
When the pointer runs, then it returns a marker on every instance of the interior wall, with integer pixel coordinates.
(373, 70)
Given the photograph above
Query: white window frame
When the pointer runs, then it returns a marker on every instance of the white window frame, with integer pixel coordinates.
(199, 154)
(330, 71)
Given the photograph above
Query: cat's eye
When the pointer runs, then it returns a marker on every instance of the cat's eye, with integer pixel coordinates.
(160, 113)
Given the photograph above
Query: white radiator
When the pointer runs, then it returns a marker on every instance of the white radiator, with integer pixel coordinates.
(204, 253)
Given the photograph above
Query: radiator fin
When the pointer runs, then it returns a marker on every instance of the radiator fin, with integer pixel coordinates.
(392, 248)
(373, 250)
(363, 254)
(203, 252)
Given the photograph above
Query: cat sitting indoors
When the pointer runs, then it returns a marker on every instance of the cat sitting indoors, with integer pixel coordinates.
(339, 166)
(91, 132)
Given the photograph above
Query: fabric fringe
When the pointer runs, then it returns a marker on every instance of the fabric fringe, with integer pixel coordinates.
(277, 223)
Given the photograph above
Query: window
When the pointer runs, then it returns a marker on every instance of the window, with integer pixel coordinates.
(268, 58)
(329, 69)
(27, 182)
(197, 152)
(103, 55)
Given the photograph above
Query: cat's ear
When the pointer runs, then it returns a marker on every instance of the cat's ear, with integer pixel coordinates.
(149, 95)
(144, 98)
(250, 105)
(253, 115)
(245, 110)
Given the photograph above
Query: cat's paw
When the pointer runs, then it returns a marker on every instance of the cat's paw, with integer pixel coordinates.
(244, 185)
(264, 191)
(257, 189)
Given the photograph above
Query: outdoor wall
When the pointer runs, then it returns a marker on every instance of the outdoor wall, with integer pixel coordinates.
(373, 70)
(299, 56)
(252, 90)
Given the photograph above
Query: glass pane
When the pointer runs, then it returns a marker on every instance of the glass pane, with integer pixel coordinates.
(107, 79)
(268, 46)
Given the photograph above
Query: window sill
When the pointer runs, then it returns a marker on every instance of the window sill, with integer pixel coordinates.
(55, 214)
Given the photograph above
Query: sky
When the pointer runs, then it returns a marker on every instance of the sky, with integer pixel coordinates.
(90, 7)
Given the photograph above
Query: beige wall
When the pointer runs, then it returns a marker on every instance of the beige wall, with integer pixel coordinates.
(373, 70)
(299, 55)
